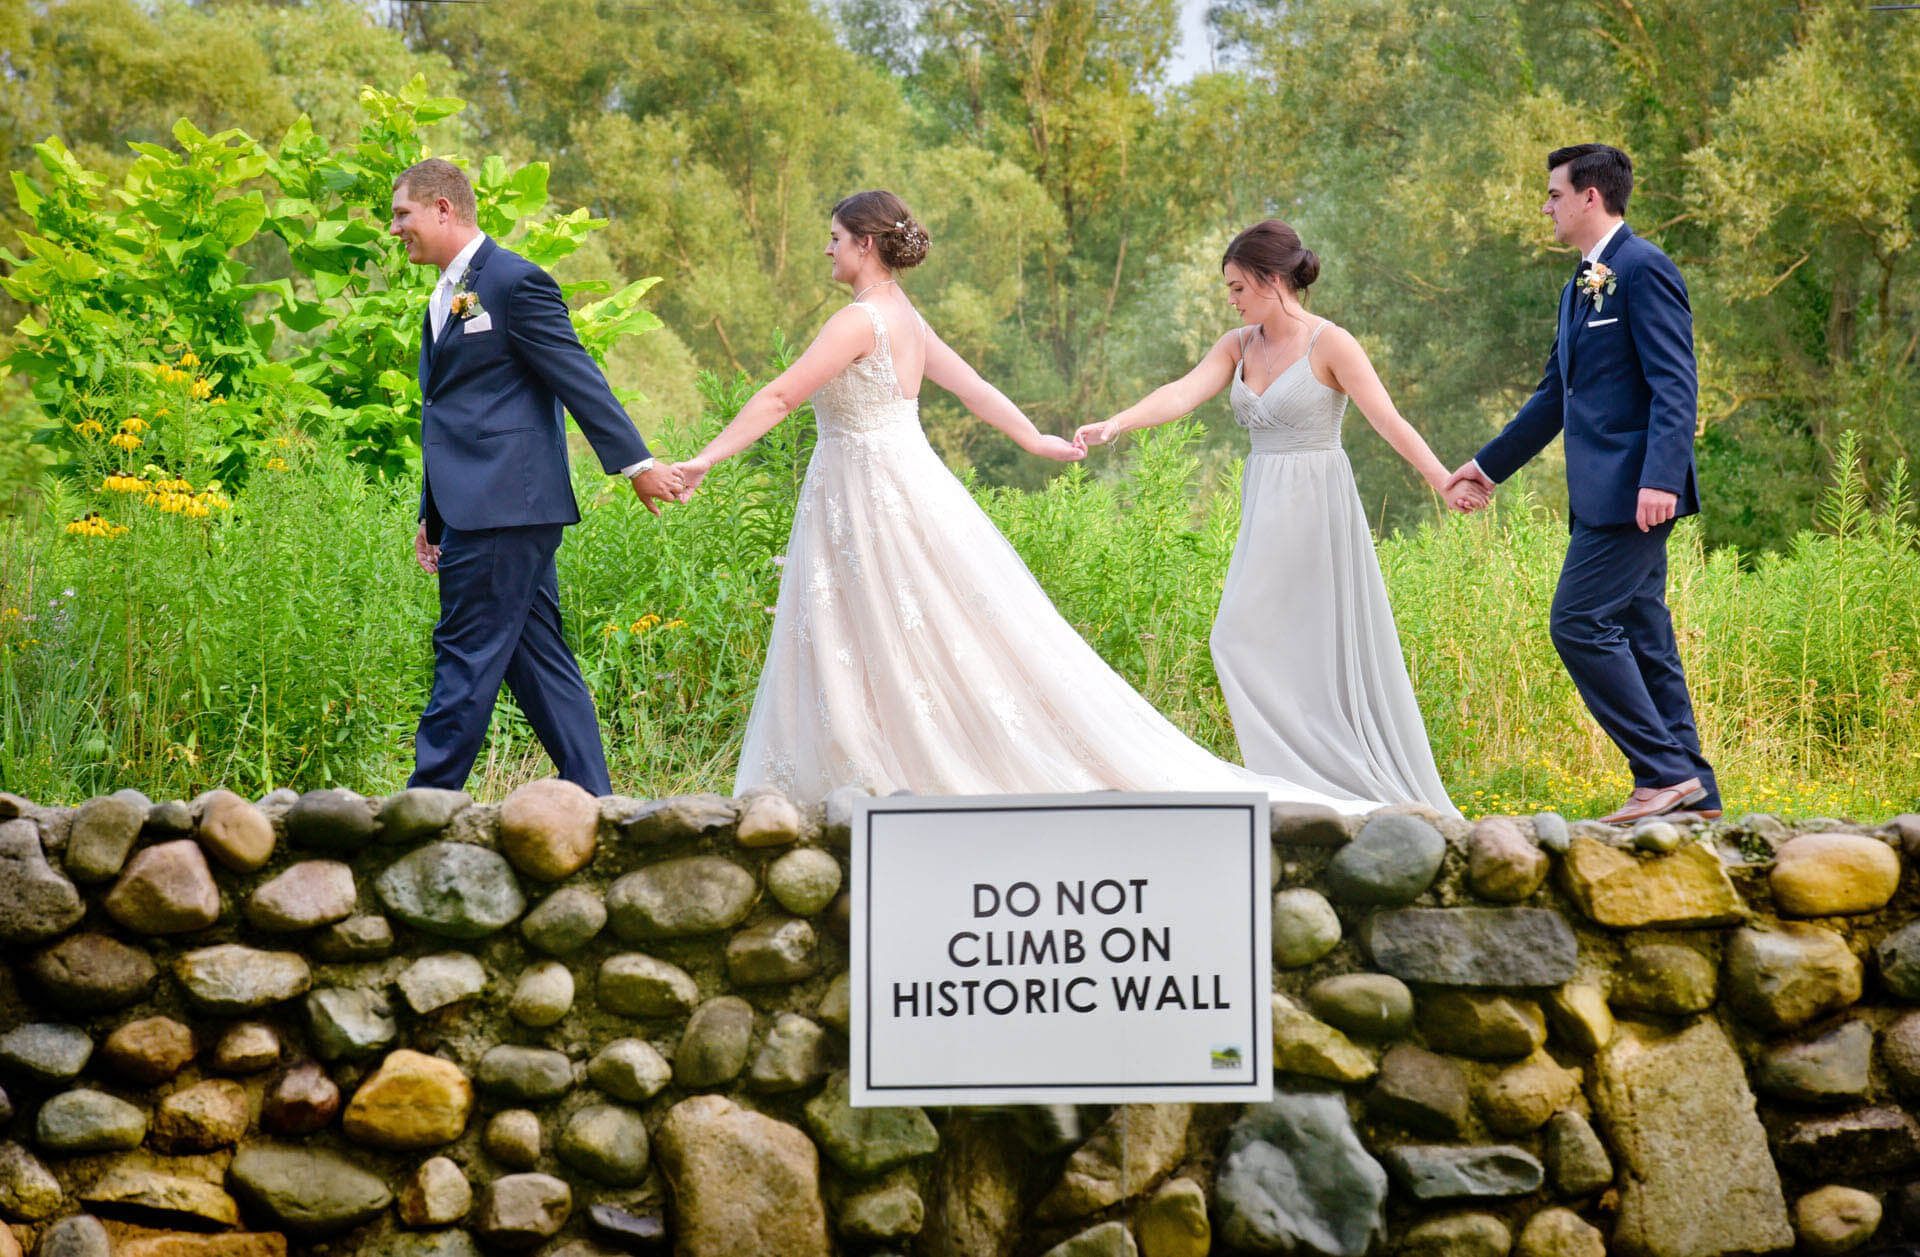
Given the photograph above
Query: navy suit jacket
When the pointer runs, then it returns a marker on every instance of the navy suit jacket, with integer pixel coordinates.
(1622, 385)
(493, 434)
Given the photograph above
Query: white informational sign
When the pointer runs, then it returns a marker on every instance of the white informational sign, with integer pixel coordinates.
(1088, 949)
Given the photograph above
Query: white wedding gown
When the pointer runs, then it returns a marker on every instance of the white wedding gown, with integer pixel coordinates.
(913, 650)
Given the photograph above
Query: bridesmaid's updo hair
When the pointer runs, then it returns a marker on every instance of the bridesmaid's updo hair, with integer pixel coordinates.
(1272, 251)
(897, 235)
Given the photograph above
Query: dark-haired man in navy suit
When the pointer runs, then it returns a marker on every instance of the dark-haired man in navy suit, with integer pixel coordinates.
(500, 365)
(1621, 384)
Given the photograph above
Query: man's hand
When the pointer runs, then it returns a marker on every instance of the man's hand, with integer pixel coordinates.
(1656, 508)
(658, 483)
(425, 553)
(1466, 485)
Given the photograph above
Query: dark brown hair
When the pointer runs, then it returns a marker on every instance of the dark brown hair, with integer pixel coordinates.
(897, 235)
(1600, 166)
(1272, 251)
(434, 178)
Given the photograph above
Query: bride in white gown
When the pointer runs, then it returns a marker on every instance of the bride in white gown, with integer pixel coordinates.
(911, 647)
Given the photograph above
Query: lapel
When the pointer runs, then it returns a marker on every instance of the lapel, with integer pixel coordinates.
(1581, 304)
(431, 363)
(426, 346)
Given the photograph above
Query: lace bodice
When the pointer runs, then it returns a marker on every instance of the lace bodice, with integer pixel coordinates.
(1296, 412)
(865, 396)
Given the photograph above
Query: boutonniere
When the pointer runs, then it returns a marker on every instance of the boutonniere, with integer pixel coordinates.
(1598, 282)
(466, 305)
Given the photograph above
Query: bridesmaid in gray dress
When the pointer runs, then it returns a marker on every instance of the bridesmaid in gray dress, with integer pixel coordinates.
(1304, 642)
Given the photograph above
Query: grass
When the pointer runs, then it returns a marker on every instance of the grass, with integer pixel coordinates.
(286, 642)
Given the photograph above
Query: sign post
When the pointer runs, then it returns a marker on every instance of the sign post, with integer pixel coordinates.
(1088, 949)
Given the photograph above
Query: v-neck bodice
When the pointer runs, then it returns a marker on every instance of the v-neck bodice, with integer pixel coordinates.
(1295, 412)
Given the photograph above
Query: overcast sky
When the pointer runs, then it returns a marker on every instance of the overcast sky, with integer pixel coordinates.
(1191, 57)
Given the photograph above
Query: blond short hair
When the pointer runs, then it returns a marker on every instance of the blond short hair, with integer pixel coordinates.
(436, 177)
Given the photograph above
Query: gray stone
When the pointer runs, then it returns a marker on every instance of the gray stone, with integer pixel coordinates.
(78, 1236)
(631, 1232)
(1695, 1176)
(308, 894)
(89, 973)
(1484, 1027)
(543, 994)
(767, 819)
(836, 825)
(1366, 1005)
(1431, 1172)
(836, 1006)
(518, 1211)
(677, 819)
(331, 820)
(452, 1243)
(526, 1074)
(1305, 927)
(1657, 836)
(165, 889)
(1899, 958)
(1307, 825)
(230, 978)
(1830, 1069)
(436, 1194)
(36, 902)
(1789, 975)
(420, 813)
(247, 1048)
(1559, 1232)
(1457, 1235)
(1550, 831)
(629, 1069)
(1882, 1139)
(1109, 1239)
(354, 939)
(680, 898)
(84, 1121)
(1665, 978)
(236, 834)
(441, 979)
(713, 1048)
(635, 985)
(607, 1143)
(890, 1210)
(772, 952)
(28, 1191)
(306, 1192)
(793, 1056)
(1502, 863)
(453, 890)
(102, 837)
(45, 1051)
(564, 921)
(867, 1142)
(174, 818)
(514, 1138)
(1392, 861)
(1472, 946)
(1900, 1053)
(1296, 1179)
(200, 1118)
(348, 1023)
(804, 881)
(1577, 1162)
(745, 1185)
(1421, 1091)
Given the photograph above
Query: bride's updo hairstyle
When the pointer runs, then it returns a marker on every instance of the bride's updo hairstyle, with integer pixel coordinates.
(1272, 251)
(897, 235)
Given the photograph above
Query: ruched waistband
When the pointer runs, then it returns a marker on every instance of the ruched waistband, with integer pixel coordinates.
(1291, 441)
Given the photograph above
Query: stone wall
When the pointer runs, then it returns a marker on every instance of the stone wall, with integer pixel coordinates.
(425, 1027)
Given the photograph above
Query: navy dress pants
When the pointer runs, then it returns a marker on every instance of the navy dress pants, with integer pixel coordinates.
(1614, 634)
(500, 621)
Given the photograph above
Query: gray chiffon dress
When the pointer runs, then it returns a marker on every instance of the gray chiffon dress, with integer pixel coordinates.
(1304, 643)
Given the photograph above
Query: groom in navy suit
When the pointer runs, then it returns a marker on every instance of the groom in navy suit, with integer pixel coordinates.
(499, 362)
(1620, 383)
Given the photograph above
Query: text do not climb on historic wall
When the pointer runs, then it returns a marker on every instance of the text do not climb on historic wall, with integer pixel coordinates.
(1036, 949)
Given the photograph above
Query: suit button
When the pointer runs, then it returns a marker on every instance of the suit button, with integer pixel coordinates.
(429, 401)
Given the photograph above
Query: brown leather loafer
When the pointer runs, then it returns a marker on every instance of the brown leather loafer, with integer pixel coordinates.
(1656, 801)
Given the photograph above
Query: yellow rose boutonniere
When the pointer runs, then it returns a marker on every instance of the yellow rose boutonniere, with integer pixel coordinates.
(466, 304)
(1598, 282)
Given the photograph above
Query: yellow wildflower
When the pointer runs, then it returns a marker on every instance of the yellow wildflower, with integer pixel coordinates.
(9, 613)
(90, 427)
(125, 441)
(189, 359)
(202, 389)
(134, 423)
(645, 622)
(675, 623)
(276, 464)
(93, 525)
(218, 401)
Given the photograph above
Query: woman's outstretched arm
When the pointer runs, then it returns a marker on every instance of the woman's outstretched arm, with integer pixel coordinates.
(1353, 374)
(847, 335)
(987, 403)
(1170, 401)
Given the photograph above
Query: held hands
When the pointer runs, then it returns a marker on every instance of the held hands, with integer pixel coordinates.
(1059, 449)
(1467, 489)
(425, 553)
(661, 482)
(691, 473)
(1088, 435)
(1655, 508)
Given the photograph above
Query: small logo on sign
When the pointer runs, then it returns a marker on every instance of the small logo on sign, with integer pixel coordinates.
(1226, 1057)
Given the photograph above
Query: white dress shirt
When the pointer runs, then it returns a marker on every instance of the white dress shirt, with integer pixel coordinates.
(440, 305)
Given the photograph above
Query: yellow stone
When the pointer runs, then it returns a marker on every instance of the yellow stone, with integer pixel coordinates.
(413, 1101)
(1580, 1016)
(1823, 875)
(1303, 1044)
(1174, 1223)
(1622, 890)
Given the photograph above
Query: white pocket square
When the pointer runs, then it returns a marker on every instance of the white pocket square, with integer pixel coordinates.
(483, 322)
(1590, 322)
